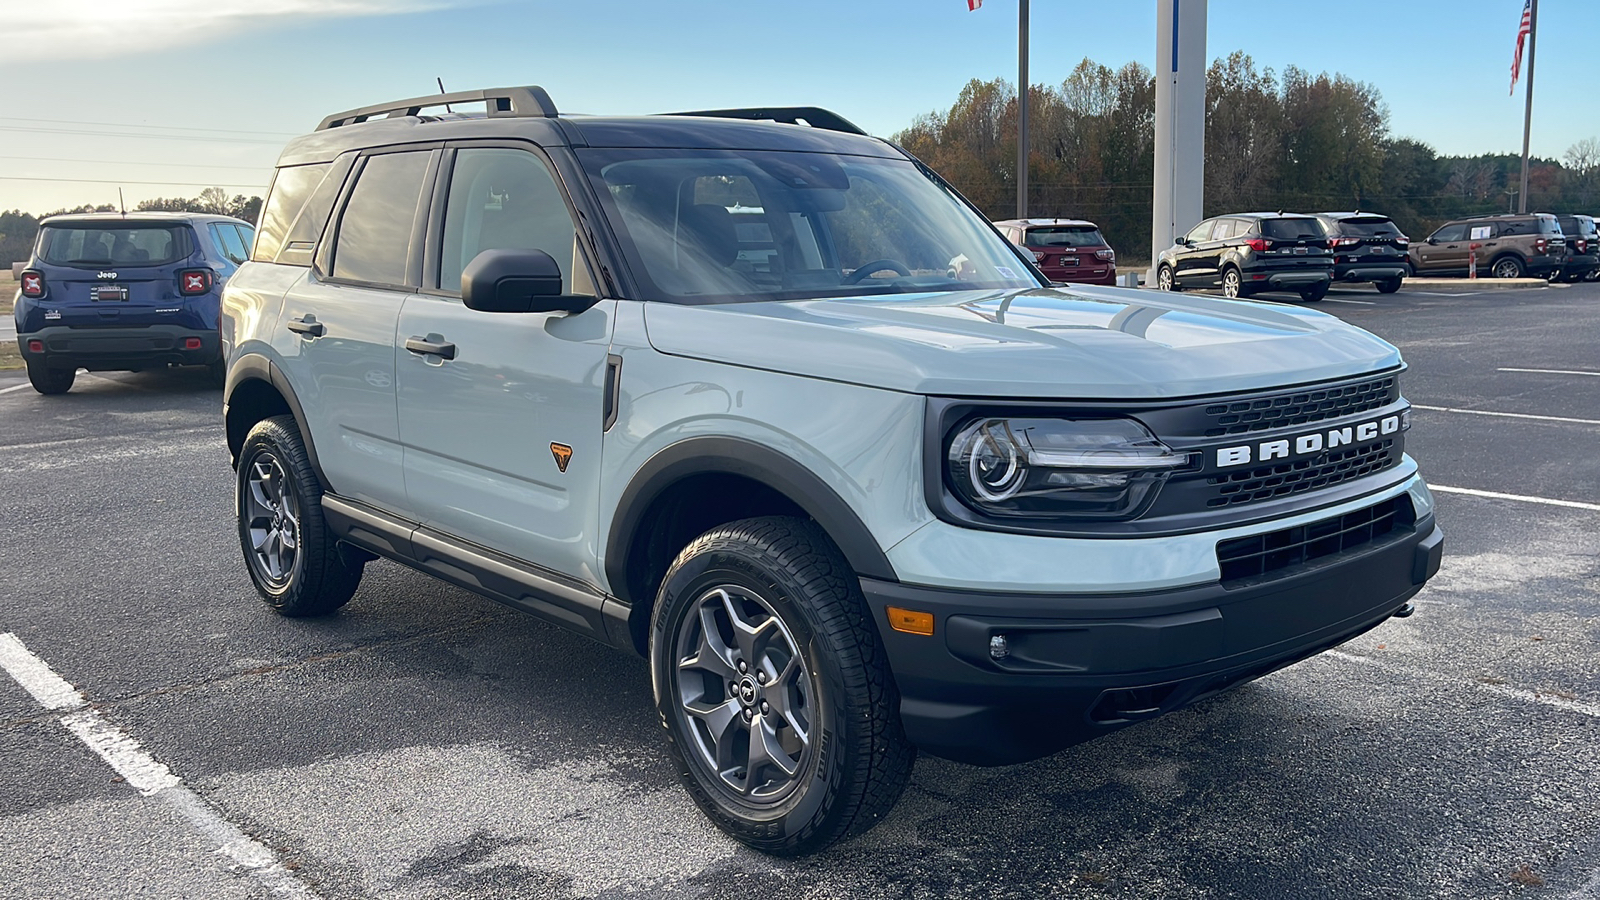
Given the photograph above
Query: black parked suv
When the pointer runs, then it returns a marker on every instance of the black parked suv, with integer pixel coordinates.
(1245, 253)
(1366, 247)
(133, 291)
(1583, 248)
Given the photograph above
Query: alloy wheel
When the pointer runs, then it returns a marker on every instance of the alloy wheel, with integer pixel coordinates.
(273, 517)
(1230, 284)
(1164, 279)
(745, 695)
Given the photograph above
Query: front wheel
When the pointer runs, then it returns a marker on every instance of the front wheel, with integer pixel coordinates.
(1164, 279)
(1388, 285)
(1312, 295)
(291, 554)
(46, 380)
(771, 681)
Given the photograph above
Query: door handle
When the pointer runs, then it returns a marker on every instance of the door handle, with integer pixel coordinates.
(308, 326)
(432, 345)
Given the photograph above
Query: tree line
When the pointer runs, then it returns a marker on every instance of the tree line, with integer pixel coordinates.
(18, 229)
(1294, 141)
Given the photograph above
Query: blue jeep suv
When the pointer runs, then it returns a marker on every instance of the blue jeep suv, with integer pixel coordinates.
(125, 292)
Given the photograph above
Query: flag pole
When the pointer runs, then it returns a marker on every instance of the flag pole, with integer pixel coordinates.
(1022, 108)
(1527, 114)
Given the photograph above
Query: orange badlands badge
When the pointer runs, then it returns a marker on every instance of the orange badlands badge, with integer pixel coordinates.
(563, 455)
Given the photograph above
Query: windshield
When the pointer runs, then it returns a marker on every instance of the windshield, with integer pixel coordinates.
(1291, 229)
(1369, 228)
(1064, 236)
(79, 245)
(717, 226)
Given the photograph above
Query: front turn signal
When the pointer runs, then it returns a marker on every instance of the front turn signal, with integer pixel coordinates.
(910, 621)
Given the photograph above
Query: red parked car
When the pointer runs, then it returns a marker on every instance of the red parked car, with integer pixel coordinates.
(1065, 249)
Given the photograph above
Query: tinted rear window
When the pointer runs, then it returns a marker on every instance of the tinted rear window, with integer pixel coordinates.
(1549, 225)
(1064, 236)
(291, 188)
(1291, 229)
(1368, 227)
(113, 245)
(374, 241)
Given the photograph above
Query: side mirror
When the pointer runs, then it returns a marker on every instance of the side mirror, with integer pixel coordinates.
(518, 281)
(1183, 242)
(1433, 240)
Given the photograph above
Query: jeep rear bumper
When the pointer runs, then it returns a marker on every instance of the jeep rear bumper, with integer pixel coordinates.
(119, 349)
(1080, 666)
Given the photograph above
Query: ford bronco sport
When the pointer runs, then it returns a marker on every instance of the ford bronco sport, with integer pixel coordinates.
(762, 399)
(133, 291)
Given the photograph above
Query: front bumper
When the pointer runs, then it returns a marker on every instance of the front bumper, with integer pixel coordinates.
(120, 349)
(1084, 665)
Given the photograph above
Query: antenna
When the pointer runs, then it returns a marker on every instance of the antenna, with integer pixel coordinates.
(440, 79)
(121, 203)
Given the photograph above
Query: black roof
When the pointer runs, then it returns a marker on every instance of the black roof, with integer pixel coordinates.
(151, 217)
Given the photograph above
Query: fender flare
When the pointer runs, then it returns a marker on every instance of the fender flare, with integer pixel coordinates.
(258, 367)
(735, 456)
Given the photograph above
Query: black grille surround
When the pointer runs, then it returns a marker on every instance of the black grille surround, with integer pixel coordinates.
(1275, 554)
(1305, 407)
(1209, 494)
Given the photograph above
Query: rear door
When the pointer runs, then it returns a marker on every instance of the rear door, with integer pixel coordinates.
(337, 332)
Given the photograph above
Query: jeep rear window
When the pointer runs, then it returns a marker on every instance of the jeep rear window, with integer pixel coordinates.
(1291, 229)
(1368, 227)
(719, 226)
(1064, 236)
(112, 245)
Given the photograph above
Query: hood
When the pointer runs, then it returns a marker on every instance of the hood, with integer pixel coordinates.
(1080, 343)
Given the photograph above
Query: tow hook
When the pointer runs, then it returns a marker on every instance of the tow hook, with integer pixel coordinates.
(1405, 612)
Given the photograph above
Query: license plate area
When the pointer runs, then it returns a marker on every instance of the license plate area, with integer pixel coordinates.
(1300, 251)
(108, 293)
(1069, 261)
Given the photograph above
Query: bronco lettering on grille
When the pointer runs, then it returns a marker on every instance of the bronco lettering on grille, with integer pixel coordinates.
(1316, 442)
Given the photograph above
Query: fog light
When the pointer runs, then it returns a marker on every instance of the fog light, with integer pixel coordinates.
(36, 346)
(191, 343)
(999, 648)
(910, 621)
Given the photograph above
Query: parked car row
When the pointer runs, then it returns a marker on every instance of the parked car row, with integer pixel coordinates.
(1245, 253)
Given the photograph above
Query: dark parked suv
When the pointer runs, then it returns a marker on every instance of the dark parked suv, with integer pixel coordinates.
(1507, 246)
(1066, 250)
(1366, 247)
(1583, 248)
(125, 292)
(1249, 252)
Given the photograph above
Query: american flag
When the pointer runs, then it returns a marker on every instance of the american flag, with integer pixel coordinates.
(973, 4)
(1522, 37)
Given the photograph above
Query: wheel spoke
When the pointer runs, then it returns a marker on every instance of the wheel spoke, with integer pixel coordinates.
(720, 720)
(712, 654)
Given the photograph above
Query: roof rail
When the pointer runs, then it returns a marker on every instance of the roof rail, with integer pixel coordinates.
(515, 102)
(814, 116)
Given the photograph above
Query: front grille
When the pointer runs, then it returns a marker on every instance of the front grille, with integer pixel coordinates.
(1257, 556)
(1283, 479)
(1300, 407)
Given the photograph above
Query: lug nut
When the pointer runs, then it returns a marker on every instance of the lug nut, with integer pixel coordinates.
(761, 677)
(748, 715)
(742, 666)
(765, 708)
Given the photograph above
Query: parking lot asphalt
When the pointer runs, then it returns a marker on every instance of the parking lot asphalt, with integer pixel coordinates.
(427, 743)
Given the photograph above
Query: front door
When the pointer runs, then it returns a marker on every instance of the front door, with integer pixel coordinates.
(1190, 265)
(502, 428)
(1445, 250)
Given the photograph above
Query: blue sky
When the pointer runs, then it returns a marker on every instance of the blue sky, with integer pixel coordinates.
(85, 84)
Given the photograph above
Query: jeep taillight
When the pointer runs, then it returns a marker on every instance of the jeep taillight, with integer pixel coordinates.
(1257, 244)
(194, 281)
(32, 284)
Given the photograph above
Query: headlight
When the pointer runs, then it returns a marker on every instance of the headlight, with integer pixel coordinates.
(1044, 468)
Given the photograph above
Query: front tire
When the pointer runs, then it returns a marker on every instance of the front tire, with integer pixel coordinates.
(289, 551)
(771, 681)
(50, 381)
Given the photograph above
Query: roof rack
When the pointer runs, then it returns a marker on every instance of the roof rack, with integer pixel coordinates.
(513, 102)
(814, 116)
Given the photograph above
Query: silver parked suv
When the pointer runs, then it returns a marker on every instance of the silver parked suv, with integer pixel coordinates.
(764, 400)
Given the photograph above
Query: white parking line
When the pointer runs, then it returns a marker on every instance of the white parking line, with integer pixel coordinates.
(1541, 371)
(1508, 415)
(15, 387)
(1356, 302)
(1575, 706)
(1496, 495)
(141, 770)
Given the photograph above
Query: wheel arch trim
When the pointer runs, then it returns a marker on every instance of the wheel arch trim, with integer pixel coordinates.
(748, 459)
(257, 367)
